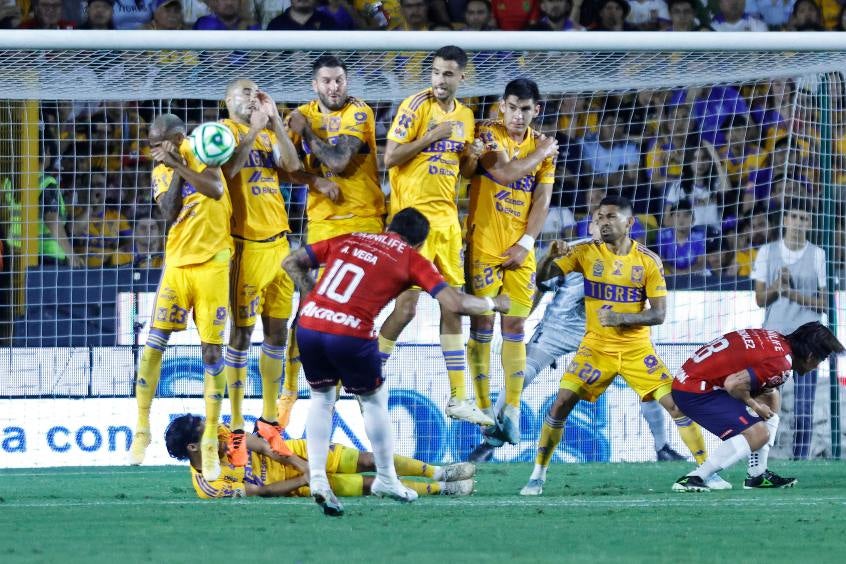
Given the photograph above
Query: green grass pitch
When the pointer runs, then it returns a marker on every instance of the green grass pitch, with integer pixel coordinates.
(588, 513)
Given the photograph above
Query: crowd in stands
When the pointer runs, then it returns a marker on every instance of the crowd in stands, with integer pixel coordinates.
(422, 15)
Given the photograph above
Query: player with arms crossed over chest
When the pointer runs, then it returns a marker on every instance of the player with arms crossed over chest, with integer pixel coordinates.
(195, 201)
(620, 275)
(429, 143)
(259, 286)
(337, 133)
(729, 387)
(364, 271)
(509, 200)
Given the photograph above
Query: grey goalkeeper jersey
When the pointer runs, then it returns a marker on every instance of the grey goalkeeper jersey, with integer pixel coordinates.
(563, 324)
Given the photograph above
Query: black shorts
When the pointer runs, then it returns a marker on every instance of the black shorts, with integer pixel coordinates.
(328, 359)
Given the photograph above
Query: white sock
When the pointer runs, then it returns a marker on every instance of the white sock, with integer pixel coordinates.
(377, 424)
(758, 459)
(439, 473)
(318, 431)
(539, 473)
(654, 415)
(727, 453)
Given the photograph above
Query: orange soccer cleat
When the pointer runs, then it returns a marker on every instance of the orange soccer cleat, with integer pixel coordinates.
(272, 433)
(237, 448)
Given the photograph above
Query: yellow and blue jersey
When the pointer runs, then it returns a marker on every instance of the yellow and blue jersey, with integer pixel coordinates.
(258, 208)
(201, 229)
(620, 283)
(428, 181)
(499, 213)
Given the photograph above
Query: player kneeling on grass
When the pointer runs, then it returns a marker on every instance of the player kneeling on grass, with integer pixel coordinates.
(728, 387)
(269, 474)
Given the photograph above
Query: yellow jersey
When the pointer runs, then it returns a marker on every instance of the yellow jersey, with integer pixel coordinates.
(499, 214)
(620, 283)
(201, 229)
(428, 181)
(258, 208)
(361, 194)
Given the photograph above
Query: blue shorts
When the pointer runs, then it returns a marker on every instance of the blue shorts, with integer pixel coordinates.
(328, 359)
(717, 411)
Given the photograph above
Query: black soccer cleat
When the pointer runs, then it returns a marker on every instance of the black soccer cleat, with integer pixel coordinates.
(482, 453)
(768, 480)
(667, 454)
(690, 484)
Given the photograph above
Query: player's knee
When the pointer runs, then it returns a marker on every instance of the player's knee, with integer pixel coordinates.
(212, 355)
(563, 404)
(671, 407)
(757, 435)
(513, 325)
(482, 323)
(366, 462)
(239, 338)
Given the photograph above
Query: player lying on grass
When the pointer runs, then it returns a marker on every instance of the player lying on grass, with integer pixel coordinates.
(728, 387)
(269, 474)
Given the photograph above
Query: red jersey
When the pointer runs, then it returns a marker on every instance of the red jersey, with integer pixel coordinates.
(364, 271)
(765, 354)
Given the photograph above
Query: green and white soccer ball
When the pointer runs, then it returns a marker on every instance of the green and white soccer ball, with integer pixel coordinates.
(212, 143)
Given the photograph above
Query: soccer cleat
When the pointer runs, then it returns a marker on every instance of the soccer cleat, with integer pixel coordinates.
(493, 435)
(211, 462)
(533, 487)
(284, 405)
(237, 448)
(325, 498)
(272, 433)
(482, 453)
(690, 484)
(457, 472)
(138, 448)
(509, 423)
(666, 453)
(715, 482)
(467, 411)
(767, 480)
(459, 488)
(393, 490)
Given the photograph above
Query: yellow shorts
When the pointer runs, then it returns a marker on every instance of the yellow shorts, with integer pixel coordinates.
(320, 230)
(488, 279)
(342, 461)
(203, 288)
(445, 247)
(259, 285)
(592, 370)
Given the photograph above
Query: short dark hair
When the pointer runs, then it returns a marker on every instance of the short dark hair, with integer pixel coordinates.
(452, 53)
(411, 225)
(523, 89)
(683, 205)
(815, 340)
(616, 200)
(327, 61)
(181, 432)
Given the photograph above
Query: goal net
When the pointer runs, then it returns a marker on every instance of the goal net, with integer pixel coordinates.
(717, 146)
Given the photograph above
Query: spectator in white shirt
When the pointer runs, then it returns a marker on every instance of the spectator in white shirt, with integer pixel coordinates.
(732, 18)
(648, 15)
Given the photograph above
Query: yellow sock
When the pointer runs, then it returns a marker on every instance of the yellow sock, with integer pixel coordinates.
(479, 362)
(513, 367)
(214, 386)
(691, 434)
(236, 380)
(411, 467)
(292, 364)
(149, 370)
(386, 347)
(423, 488)
(550, 436)
(347, 485)
(270, 368)
(452, 347)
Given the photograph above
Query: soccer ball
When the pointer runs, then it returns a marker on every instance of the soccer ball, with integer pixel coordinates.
(212, 143)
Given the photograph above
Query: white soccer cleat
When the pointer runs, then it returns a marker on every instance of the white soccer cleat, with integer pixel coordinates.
(393, 490)
(467, 411)
(509, 422)
(325, 498)
(138, 448)
(457, 472)
(459, 488)
(534, 487)
(715, 482)
(211, 462)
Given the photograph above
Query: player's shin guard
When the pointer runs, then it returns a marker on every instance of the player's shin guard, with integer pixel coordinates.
(318, 431)
(691, 434)
(377, 424)
(386, 347)
(725, 455)
(513, 366)
(270, 368)
(654, 415)
(479, 362)
(406, 466)
(236, 379)
(149, 371)
(550, 435)
(452, 347)
(292, 364)
(758, 460)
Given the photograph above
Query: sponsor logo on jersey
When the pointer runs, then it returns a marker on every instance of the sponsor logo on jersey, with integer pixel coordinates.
(316, 312)
(598, 268)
